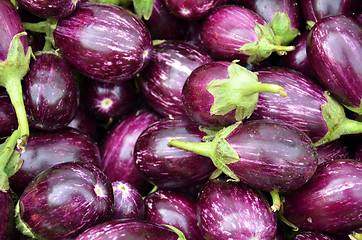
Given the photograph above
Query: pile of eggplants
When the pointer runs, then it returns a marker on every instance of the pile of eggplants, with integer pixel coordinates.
(179, 119)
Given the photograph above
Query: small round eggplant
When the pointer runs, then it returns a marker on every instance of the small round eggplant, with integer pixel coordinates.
(334, 49)
(8, 121)
(64, 200)
(311, 236)
(118, 148)
(230, 210)
(330, 201)
(128, 229)
(7, 216)
(167, 167)
(128, 202)
(51, 93)
(191, 9)
(162, 80)
(50, 8)
(46, 149)
(104, 42)
(172, 208)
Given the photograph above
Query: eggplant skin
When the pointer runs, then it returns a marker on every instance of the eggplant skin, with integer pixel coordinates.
(104, 42)
(8, 120)
(7, 216)
(50, 9)
(127, 230)
(330, 201)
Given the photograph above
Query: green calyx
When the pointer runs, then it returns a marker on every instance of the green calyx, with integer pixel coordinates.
(143, 8)
(355, 109)
(281, 26)
(337, 122)
(240, 92)
(218, 150)
(266, 44)
(181, 235)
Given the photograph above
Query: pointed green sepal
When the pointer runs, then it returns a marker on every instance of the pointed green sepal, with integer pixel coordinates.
(14, 164)
(181, 235)
(21, 225)
(310, 25)
(143, 8)
(357, 110)
(281, 26)
(211, 133)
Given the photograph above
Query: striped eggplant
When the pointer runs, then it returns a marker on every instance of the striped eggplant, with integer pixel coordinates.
(49, 8)
(191, 9)
(308, 235)
(334, 49)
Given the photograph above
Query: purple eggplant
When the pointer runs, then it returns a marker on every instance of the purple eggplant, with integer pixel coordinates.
(84, 122)
(172, 208)
(230, 210)
(128, 229)
(166, 167)
(7, 216)
(118, 147)
(308, 235)
(46, 149)
(330, 201)
(104, 42)
(334, 150)
(128, 202)
(162, 80)
(233, 32)
(191, 9)
(8, 121)
(49, 8)
(109, 101)
(64, 200)
(308, 106)
(220, 93)
(334, 49)
(51, 93)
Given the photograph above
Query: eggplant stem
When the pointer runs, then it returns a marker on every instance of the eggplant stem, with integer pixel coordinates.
(276, 200)
(8, 149)
(40, 27)
(201, 148)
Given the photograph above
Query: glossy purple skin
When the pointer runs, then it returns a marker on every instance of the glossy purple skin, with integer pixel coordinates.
(298, 59)
(334, 49)
(358, 153)
(7, 216)
(84, 122)
(109, 100)
(162, 24)
(50, 8)
(162, 80)
(10, 24)
(46, 149)
(126, 230)
(231, 210)
(65, 200)
(128, 202)
(334, 150)
(300, 108)
(235, 27)
(315, 10)
(198, 100)
(170, 167)
(175, 209)
(311, 236)
(331, 201)
(260, 166)
(51, 93)
(191, 9)
(8, 120)
(118, 148)
(104, 42)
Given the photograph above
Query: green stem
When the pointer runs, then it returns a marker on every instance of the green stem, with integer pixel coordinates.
(276, 200)
(282, 50)
(8, 149)
(355, 236)
(201, 148)
(272, 88)
(40, 27)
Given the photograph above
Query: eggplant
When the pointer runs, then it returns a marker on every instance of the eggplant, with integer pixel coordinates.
(64, 200)
(117, 149)
(172, 208)
(109, 101)
(8, 121)
(166, 167)
(84, 122)
(46, 149)
(7, 216)
(241, 34)
(334, 49)
(191, 9)
(308, 106)
(334, 150)
(51, 93)
(128, 229)
(162, 79)
(50, 9)
(128, 202)
(103, 42)
(330, 201)
(308, 235)
(232, 210)
(220, 93)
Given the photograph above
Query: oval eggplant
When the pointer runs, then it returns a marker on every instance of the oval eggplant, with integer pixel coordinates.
(230, 210)
(46, 149)
(128, 202)
(8, 121)
(7, 216)
(104, 42)
(172, 208)
(126, 230)
(334, 49)
(51, 93)
(117, 149)
(162, 80)
(330, 201)
(50, 8)
(190, 9)
(65, 200)
(167, 167)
